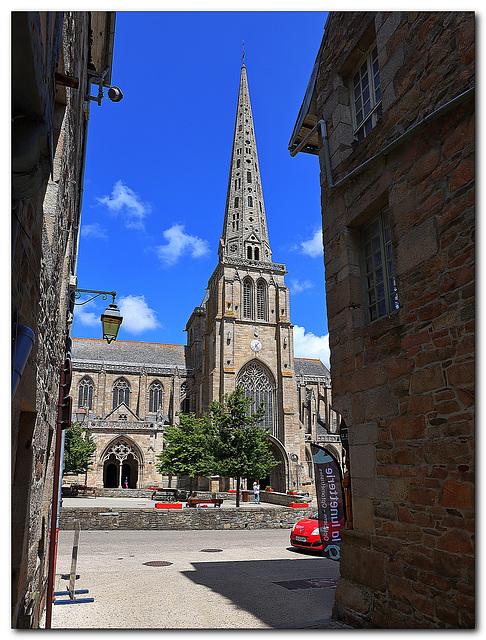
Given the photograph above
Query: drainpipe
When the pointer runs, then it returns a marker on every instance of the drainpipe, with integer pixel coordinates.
(448, 106)
(325, 145)
(23, 341)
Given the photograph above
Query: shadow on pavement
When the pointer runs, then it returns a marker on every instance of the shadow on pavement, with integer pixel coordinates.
(281, 593)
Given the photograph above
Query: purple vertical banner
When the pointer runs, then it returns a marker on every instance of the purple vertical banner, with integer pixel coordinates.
(330, 501)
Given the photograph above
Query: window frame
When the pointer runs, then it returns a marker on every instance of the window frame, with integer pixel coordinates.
(387, 265)
(262, 299)
(248, 299)
(156, 392)
(375, 103)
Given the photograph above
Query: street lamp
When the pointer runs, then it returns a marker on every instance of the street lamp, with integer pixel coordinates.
(111, 318)
(80, 415)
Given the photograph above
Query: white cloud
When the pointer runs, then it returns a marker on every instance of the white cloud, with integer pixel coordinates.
(87, 318)
(127, 203)
(94, 230)
(299, 287)
(313, 246)
(137, 315)
(308, 345)
(180, 243)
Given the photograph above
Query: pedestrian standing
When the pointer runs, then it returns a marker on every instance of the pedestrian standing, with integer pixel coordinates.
(256, 492)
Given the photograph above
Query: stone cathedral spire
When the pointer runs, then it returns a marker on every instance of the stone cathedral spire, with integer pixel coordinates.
(245, 234)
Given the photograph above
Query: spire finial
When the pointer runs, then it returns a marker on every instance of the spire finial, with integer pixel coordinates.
(243, 55)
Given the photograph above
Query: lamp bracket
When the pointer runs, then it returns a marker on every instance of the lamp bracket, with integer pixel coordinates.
(76, 295)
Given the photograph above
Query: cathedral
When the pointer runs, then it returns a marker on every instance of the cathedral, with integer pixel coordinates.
(241, 334)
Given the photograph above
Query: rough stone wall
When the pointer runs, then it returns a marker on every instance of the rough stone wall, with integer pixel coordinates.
(43, 257)
(187, 518)
(405, 382)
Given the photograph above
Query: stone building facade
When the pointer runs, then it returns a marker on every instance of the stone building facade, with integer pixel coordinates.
(52, 56)
(390, 112)
(241, 334)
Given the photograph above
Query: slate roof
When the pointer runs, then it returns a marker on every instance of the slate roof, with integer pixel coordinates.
(310, 367)
(127, 352)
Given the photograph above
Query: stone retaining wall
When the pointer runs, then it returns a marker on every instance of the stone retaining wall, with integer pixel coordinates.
(185, 519)
(284, 499)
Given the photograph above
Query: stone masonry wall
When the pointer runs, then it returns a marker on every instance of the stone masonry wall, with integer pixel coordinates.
(184, 519)
(405, 382)
(43, 256)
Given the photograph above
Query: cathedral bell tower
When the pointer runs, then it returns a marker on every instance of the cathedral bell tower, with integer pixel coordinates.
(242, 334)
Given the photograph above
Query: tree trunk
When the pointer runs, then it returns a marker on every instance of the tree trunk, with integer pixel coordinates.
(237, 491)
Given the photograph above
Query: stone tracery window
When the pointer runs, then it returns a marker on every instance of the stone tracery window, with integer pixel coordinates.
(256, 383)
(121, 392)
(121, 450)
(156, 395)
(85, 397)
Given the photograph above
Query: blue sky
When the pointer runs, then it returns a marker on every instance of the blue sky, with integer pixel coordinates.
(158, 164)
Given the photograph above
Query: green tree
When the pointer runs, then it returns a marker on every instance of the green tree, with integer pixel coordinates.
(79, 447)
(189, 448)
(242, 449)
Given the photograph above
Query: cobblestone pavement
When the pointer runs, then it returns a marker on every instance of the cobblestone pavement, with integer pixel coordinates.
(207, 580)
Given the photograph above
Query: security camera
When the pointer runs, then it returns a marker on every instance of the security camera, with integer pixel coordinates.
(115, 94)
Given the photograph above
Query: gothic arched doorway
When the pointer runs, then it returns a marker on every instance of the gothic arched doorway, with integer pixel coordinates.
(110, 476)
(277, 477)
(122, 461)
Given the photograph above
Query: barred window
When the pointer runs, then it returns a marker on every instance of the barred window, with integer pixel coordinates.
(262, 305)
(121, 392)
(248, 298)
(85, 390)
(156, 395)
(256, 383)
(378, 267)
(366, 95)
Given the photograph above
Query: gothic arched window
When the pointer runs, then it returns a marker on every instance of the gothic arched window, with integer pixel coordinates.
(121, 392)
(250, 201)
(248, 298)
(85, 397)
(256, 383)
(156, 394)
(261, 300)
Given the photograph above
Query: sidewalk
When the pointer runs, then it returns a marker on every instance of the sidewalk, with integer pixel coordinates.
(147, 503)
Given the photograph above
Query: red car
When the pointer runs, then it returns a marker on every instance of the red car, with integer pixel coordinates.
(305, 533)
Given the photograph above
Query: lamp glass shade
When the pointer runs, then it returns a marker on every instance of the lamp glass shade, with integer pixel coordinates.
(111, 320)
(80, 415)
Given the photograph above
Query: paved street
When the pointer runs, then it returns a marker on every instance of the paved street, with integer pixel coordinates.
(255, 581)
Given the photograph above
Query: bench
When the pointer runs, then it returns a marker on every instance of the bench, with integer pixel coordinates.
(192, 502)
(168, 494)
(79, 491)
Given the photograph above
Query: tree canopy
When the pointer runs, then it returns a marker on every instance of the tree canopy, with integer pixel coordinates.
(189, 448)
(241, 447)
(79, 447)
